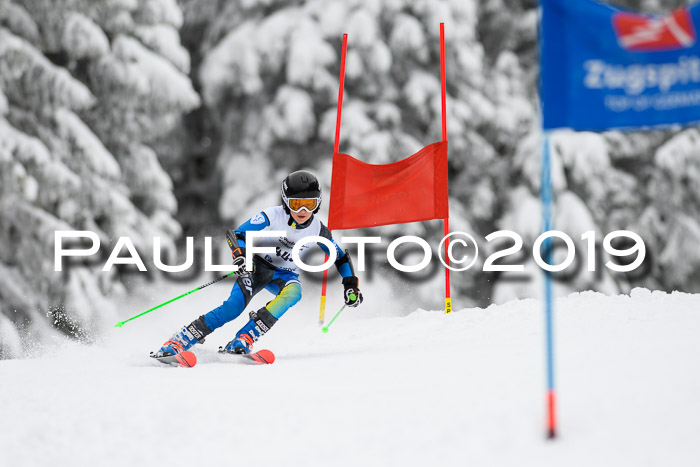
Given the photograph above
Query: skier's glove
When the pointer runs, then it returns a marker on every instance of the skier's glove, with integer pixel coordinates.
(352, 295)
(238, 255)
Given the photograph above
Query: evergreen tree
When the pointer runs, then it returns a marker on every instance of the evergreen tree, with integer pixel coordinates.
(272, 81)
(268, 76)
(86, 87)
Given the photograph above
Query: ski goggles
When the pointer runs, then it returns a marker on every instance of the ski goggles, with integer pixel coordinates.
(297, 204)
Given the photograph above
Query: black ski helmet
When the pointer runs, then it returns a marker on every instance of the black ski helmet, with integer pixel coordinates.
(300, 184)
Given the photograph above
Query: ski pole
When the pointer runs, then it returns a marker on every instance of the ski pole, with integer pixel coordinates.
(325, 328)
(122, 323)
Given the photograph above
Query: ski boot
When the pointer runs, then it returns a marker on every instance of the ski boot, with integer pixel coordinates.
(260, 322)
(188, 336)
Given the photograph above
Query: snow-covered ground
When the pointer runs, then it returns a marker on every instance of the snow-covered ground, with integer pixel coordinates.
(465, 389)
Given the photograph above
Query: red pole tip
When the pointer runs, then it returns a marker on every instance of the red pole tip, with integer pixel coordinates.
(551, 419)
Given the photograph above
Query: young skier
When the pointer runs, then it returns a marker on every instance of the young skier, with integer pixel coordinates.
(277, 273)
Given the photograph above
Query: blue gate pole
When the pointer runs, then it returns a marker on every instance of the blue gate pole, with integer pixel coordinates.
(546, 198)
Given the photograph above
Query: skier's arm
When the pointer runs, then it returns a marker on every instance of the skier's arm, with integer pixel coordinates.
(343, 264)
(342, 261)
(257, 222)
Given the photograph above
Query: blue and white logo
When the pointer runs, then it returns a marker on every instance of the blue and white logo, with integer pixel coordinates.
(258, 219)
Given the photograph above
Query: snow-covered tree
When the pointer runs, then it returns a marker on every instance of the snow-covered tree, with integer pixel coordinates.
(670, 219)
(268, 73)
(271, 78)
(85, 89)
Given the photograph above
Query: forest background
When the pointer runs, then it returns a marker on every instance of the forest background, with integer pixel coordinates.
(165, 118)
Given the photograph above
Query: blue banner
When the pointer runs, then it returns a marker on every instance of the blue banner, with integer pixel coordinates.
(604, 68)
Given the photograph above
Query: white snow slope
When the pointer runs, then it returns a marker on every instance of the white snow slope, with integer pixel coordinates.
(466, 389)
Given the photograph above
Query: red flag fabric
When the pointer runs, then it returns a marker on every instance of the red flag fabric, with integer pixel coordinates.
(368, 195)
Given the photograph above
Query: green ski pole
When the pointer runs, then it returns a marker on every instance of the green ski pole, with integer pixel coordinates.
(122, 323)
(232, 243)
(325, 328)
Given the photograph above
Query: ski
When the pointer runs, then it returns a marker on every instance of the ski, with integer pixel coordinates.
(185, 359)
(261, 357)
